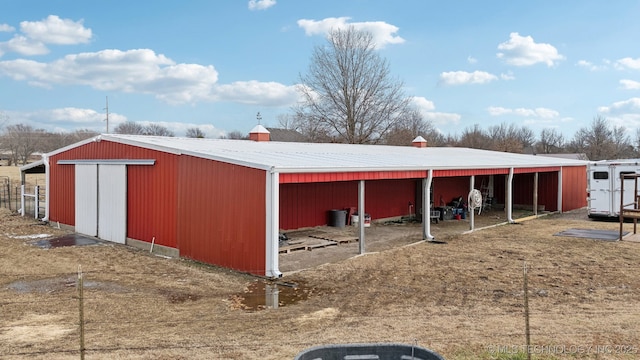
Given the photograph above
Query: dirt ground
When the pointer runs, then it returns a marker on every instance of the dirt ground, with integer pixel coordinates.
(462, 297)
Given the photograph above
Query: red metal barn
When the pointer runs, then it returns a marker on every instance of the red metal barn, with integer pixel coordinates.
(224, 202)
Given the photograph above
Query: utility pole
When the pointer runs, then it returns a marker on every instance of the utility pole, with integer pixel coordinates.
(107, 119)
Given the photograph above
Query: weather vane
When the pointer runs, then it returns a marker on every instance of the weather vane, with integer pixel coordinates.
(259, 117)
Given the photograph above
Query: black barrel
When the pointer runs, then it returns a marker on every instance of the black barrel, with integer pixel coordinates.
(337, 218)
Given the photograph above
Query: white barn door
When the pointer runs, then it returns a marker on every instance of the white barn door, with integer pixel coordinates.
(86, 198)
(112, 203)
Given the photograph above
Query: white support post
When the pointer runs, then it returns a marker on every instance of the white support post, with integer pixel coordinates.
(509, 202)
(36, 201)
(272, 241)
(426, 206)
(535, 193)
(361, 216)
(472, 185)
(560, 190)
(22, 200)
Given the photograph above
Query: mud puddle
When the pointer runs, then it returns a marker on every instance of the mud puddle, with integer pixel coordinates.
(261, 294)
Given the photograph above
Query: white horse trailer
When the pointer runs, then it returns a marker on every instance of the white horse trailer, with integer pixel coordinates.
(604, 184)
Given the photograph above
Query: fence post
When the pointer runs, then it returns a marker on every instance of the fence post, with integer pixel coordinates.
(81, 310)
(36, 206)
(526, 313)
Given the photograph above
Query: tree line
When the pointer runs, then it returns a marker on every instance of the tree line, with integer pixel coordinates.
(597, 141)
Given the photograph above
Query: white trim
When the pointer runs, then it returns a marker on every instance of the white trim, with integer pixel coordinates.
(107, 162)
(509, 202)
(426, 206)
(560, 191)
(272, 225)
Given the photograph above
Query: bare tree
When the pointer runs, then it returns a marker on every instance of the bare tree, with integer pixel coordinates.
(404, 131)
(348, 90)
(600, 142)
(22, 141)
(475, 138)
(235, 135)
(551, 141)
(130, 128)
(510, 138)
(312, 131)
(157, 130)
(195, 133)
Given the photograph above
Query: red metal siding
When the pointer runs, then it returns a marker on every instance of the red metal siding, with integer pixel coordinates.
(61, 193)
(307, 205)
(151, 190)
(574, 187)
(445, 189)
(469, 172)
(222, 214)
(298, 178)
(523, 185)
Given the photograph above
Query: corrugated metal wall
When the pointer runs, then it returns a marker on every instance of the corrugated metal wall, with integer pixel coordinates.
(306, 205)
(222, 214)
(151, 190)
(574, 186)
(445, 189)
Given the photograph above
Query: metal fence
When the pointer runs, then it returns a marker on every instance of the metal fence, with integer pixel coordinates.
(11, 197)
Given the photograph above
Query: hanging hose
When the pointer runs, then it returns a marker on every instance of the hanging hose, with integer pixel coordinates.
(475, 200)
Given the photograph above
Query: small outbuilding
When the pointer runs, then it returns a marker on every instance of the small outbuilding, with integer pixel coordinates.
(225, 202)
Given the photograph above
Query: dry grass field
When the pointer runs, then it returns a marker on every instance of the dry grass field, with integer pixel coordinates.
(463, 298)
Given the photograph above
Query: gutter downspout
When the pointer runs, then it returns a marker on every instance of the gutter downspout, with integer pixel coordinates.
(560, 191)
(426, 206)
(45, 160)
(510, 197)
(272, 219)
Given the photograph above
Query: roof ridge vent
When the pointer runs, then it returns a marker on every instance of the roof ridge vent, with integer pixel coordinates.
(259, 133)
(419, 142)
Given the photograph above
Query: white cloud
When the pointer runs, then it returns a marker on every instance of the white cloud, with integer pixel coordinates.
(422, 104)
(36, 34)
(508, 76)
(443, 119)
(592, 67)
(621, 107)
(523, 51)
(624, 113)
(62, 119)
(257, 93)
(383, 33)
(145, 72)
(6, 28)
(425, 107)
(540, 112)
(630, 84)
(628, 63)
(261, 4)
(54, 30)
(471, 60)
(24, 46)
(463, 77)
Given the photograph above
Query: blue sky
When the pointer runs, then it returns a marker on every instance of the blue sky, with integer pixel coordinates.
(216, 64)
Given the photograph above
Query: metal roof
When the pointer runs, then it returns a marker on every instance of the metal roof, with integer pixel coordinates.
(288, 157)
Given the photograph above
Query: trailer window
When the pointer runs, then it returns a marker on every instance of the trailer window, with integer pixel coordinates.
(600, 175)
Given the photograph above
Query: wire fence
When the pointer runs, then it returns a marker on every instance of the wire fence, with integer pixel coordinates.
(89, 328)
